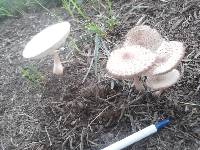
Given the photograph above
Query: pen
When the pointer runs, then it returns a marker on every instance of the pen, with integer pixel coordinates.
(135, 137)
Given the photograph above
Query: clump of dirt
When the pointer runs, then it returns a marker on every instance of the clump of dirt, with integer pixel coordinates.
(67, 113)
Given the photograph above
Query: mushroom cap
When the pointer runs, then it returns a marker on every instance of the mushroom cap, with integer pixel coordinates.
(163, 81)
(144, 36)
(47, 41)
(169, 55)
(126, 62)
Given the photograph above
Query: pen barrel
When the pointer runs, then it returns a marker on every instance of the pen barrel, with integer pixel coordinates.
(132, 138)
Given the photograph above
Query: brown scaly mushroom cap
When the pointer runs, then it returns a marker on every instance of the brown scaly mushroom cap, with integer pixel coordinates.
(163, 81)
(126, 62)
(169, 55)
(144, 36)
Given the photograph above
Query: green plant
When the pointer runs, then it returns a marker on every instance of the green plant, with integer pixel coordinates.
(18, 7)
(109, 5)
(45, 8)
(8, 7)
(94, 61)
(94, 28)
(70, 5)
(67, 7)
(5, 12)
(111, 19)
(32, 75)
(111, 23)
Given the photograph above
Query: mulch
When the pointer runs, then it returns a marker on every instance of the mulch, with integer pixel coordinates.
(65, 113)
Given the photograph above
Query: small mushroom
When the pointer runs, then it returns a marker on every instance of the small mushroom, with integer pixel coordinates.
(160, 82)
(130, 62)
(144, 36)
(169, 55)
(47, 42)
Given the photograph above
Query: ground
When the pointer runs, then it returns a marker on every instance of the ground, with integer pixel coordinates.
(67, 113)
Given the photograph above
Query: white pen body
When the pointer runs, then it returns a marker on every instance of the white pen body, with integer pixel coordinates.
(132, 138)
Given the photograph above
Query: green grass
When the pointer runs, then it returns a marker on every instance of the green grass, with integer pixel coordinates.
(10, 8)
(32, 75)
(96, 23)
(94, 28)
(72, 6)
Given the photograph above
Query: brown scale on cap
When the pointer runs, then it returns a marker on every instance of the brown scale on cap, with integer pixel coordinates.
(169, 55)
(129, 62)
(126, 62)
(144, 36)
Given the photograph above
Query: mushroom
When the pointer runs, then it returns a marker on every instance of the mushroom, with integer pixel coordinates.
(169, 55)
(160, 82)
(144, 36)
(47, 42)
(130, 62)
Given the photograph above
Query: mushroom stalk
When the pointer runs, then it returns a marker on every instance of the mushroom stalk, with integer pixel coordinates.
(58, 67)
(138, 84)
(158, 93)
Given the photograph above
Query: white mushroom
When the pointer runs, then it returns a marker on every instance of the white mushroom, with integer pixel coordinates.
(129, 62)
(163, 81)
(169, 55)
(47, 42)
(144, 36)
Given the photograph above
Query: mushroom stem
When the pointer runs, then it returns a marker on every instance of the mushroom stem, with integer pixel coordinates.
(58, 67)
(138, 85)
(158, 93)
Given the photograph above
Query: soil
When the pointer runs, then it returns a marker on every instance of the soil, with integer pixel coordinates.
(67, 113)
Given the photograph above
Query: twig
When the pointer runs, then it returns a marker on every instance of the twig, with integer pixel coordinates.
(191, 104)
(67, 137)
(11, 139)
(82, 136)
(50, 143)
(2, 145)
(122, 113)
(107, 102)
(186, 134)
(189, 60)
(30, 117)
(136, 99)
(30, 145)
(141, 20)
(178, 22)
(132, 121)
(91, 63)
(105, 49)
(93, 143)
(71, 143)
(59, 121)
(109, 98)
(96, 54)
(40, 147)
(98, 116)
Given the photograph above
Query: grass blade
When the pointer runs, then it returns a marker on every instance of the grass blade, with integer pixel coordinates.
(96, 53)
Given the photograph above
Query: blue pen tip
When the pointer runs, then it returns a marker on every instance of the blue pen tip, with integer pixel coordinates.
(162, 123)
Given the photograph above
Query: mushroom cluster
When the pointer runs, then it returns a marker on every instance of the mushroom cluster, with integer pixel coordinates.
(146, 53)
(47, 42)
